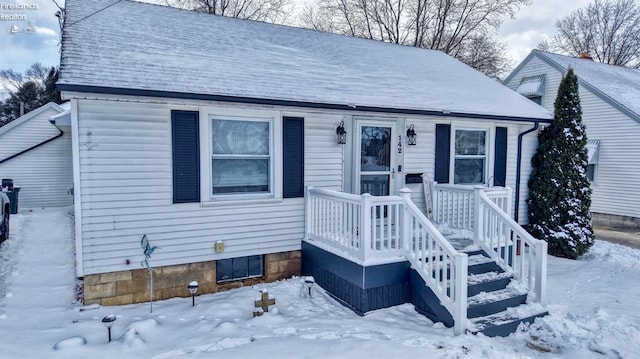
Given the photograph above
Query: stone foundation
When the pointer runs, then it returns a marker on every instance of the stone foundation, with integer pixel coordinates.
(615, 221)
(132, 286)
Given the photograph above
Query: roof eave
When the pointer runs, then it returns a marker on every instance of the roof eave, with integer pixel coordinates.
(29, 115)
(605, 97)
(287, 103)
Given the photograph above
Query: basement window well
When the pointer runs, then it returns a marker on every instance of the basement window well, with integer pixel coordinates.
(239, 268)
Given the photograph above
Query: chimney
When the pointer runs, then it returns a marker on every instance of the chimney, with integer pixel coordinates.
(21, 109)
(586, 56)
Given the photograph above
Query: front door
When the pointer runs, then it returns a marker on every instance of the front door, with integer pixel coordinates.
(376, 166)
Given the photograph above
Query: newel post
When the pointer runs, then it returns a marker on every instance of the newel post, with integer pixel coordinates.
(308, 215)
(541, 271)
(460, 296)
(405, 220)
(477, 214)
(365, 224)
(509, 206)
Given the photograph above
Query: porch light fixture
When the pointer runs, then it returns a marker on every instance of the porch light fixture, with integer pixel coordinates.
(411, 135)
(108, 322)
(342, 134)
(193, 288)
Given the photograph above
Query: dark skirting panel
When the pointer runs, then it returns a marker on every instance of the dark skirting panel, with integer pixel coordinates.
(359, 288)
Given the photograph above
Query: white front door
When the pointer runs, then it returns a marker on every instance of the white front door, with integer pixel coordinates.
(376, 162)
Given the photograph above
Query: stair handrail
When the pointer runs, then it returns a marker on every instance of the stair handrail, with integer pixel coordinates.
(510, 245)
(422, 240)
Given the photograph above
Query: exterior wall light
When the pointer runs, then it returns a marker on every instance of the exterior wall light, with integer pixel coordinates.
(193, 288)
(342, 134)
(411, 135)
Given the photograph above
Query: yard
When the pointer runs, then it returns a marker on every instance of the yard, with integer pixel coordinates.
(593, 305)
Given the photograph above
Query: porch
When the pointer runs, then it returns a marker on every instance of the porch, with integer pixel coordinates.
(372, 252)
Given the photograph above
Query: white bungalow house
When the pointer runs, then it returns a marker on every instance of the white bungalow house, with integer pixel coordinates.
(611, 112)
(35, 152)
(251, 152)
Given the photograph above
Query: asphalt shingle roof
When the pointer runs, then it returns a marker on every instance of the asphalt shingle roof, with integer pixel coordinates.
(131, 45)
(619, 84)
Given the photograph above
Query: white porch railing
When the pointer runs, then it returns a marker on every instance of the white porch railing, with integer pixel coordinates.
(367, 228)
(455, 204)
(510, 245)
(442, 267)
(364, 227)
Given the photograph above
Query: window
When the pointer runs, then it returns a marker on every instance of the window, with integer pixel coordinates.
(241, 158)
(239, 268)
(591, 172)
(470, 156)
(593, 158)
(536, 99)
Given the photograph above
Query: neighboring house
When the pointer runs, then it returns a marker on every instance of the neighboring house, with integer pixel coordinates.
(36, 153)
(610, 99)
(207, 134)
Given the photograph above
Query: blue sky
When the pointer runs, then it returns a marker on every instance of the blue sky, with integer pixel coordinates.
(21, 49)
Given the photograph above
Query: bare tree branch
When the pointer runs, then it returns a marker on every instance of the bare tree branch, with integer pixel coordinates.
(275, 11)
(460, 28)
(609, 30)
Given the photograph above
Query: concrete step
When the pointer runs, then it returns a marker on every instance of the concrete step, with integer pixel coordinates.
(503, 323)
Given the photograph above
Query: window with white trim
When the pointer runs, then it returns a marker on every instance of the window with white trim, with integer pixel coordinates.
(241, 156)
(470, 156)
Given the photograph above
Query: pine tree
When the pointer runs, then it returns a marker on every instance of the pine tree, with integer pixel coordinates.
(559, 190)
(39, 90)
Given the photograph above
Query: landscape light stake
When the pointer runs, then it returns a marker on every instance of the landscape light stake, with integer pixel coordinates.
(193, 288)
(308, 282)
(108, 322)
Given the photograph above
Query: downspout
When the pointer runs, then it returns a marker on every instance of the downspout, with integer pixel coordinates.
(519, 168)
(60, 134)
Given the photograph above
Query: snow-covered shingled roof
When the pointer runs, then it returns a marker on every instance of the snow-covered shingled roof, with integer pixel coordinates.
(620, 84)
(131, 45)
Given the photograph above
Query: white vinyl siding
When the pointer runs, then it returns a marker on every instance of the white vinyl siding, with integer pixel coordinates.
(421, 157)
(43, 174)
(126, 187)
(323, 156)
(615, 190)
(126, 180)
(617, 173)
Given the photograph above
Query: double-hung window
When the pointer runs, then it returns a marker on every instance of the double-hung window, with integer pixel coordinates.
(470, 156)
(241, 156)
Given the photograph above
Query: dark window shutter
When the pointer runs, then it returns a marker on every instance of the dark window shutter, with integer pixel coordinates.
(443, 146)
(293, 157)
(500, 160)
(186, 156)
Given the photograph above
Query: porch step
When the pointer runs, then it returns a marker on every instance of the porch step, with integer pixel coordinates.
(503, 323)
(481, 263)
(487, 282)
(487, 303)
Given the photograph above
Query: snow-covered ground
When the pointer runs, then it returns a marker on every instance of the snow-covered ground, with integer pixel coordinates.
(594, 306)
